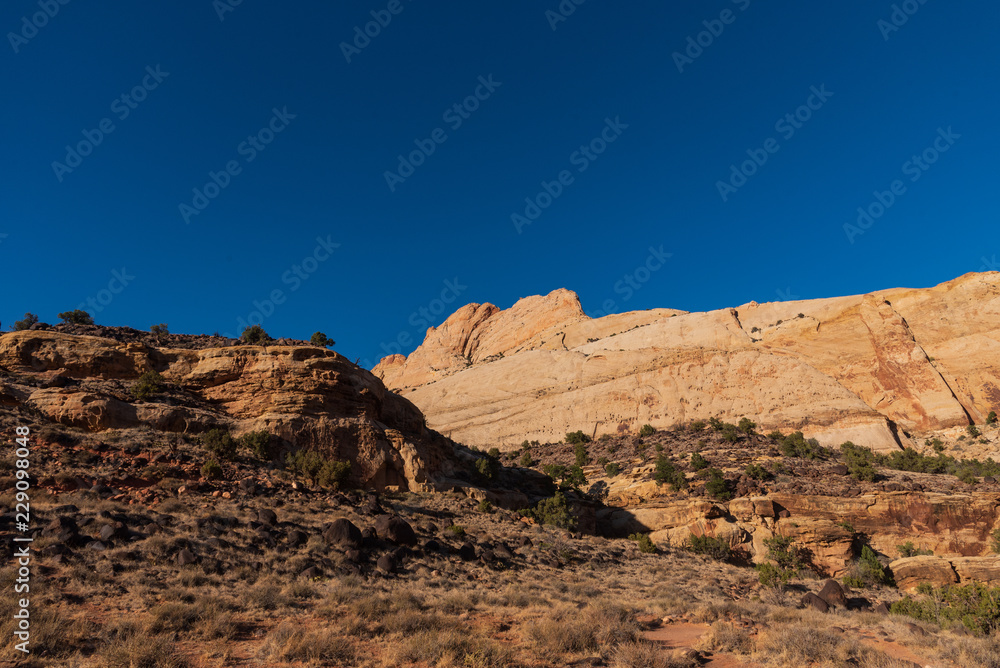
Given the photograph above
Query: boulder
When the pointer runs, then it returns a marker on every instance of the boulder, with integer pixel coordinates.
(833, 594)
(343, 533)
(185, 557)
(813, 601)
(386, 564)
(395, 529)
(911, 571)
(267, 516)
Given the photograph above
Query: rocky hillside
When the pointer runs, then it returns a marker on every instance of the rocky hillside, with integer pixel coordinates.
(305, 396)
(878, 369)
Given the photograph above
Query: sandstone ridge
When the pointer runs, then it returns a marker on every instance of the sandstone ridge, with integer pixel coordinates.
(875, 368)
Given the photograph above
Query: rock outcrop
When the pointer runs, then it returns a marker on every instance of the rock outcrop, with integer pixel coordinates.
(306, 396)
(869, 368)
(827, 526)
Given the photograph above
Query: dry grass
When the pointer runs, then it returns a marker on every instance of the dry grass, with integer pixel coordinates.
(290, 642)
(648, 655)
(138, 650)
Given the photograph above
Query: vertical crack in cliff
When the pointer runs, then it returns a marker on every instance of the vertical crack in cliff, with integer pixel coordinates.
(933, 368)
(736, 318)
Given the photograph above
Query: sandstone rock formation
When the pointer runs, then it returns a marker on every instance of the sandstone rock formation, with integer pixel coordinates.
(869, 368)
(947, 524)
(307, 396)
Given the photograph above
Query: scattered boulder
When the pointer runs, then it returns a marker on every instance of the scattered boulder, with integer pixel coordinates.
(882, 608)
(395, 529)
(815, 602)
(386, 564)
(185, 557)
(467, 552)
(342, 532)
(833, 594)
(297, 538)
(267, 516)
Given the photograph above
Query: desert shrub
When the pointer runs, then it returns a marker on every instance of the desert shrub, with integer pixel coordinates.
(149, 383)
(973, 431)
(317, 469)
(860, 462)
(76, 317)
(976, 606)
(487, 467)
(647, 430)
(990, 419)
(666, 473)
(322, 340)
(555, 471)
(333, 474)
(457, 530)
(716, 548)
(757, 472)
(907, 549)
(715, 423)
(576, 437)
(776, 436)
(698, 462)
(580, 451)
(612, 469)
(220, 443)
(967, 475)
(211, 470)
(870, 569)
(747, 426)
(526, 459)
(494, 452)
(796, 445)
(575, 477)
(716, 486)
(137, 649)
(29, 320)
(787, 562)
(697, 426)
(730, 433)
(646, 545)
(257, 442)
(255, 335)
(770, 575)
(908, 459)
(485, 506)
(553, 510)
(160, 330)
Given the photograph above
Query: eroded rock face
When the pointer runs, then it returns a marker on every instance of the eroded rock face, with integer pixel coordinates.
(954, 525)
(307, 396)
(862, 368)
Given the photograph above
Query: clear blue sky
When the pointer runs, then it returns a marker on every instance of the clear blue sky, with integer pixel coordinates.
(549, 92)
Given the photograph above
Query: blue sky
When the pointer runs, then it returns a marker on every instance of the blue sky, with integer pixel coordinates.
(622, 124)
